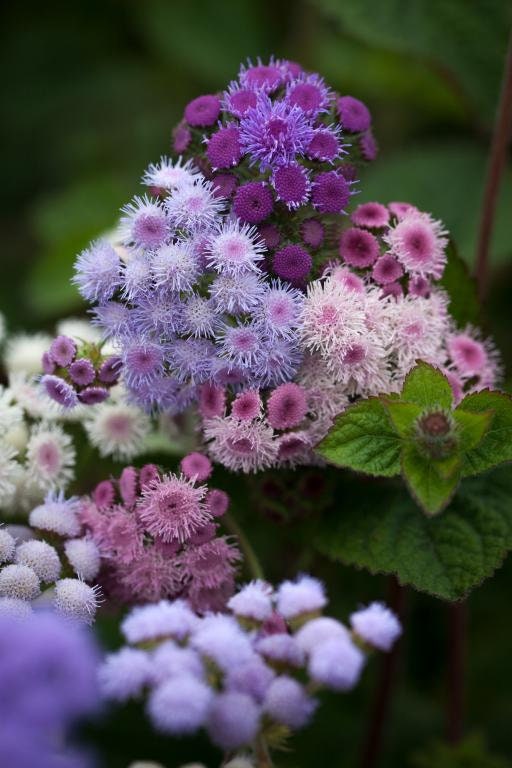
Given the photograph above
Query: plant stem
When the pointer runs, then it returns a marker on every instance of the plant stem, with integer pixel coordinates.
(388, 676)
(252, 563)
(458, 619)
(261, 753)
(495, 168)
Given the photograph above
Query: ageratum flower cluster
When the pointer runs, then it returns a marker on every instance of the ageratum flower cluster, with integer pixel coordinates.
(49, 563)
(247, 674)
(157, 536)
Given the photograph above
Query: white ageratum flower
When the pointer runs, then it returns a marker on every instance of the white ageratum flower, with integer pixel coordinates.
(11, 415)
(24, 352)
(27, 393)
(10, 472)
(117, 429)
(50, 456)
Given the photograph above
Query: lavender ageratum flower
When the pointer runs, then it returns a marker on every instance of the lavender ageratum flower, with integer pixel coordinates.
(93, 395)
(233, 720)
(336, 663)
(253, 601)
(157, 313)
(175, 267)
(143, 361)
(236, 293)
(241, 345)
(302, 596)
(279, 362)
(62, 351)
(274, 133)
(124, 674)
(145, 224)
(159, 620)
(235, 248)
(180, 705)
(59, 391)
(194, 206)
(136, 276)
(377, 626)
(168, 175)
(82, 372)
(191, 360)
(112, 318)
(287, 703)
(97, 271)
(199, 317)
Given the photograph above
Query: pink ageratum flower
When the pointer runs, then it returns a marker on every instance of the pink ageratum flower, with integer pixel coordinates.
(196, 466)
(246, 406)
(418, 241)
(172, 509)
(371, 215)
(242, 446)
(472, 356)
(387, 270)
(358, 247)
(212, 400)
(287, 406)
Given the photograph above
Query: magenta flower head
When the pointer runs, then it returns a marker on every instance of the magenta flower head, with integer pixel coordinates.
(287, 406)
(371, 215)
(181, 138)
(312, 233)
(324, 146)
(172, 509)
(217, 502)
(62, 351)
(292, 263)
(202, 111)
(331, 192)
(262, 77)
(368, 146)
(386, 270)
(354, 115)
(292, 185)
(196, 466)
(224, 148)
(358, 247)
(246, 406)
(253, 202)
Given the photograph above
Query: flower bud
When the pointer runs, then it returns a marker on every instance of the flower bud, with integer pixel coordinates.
(435, 434)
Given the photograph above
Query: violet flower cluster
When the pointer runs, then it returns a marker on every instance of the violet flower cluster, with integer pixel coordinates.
(157, 536)
(49, 682)
(76, 373)
(49, 563)
(248, 675)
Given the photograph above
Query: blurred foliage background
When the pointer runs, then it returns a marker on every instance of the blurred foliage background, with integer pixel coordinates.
(91, 91)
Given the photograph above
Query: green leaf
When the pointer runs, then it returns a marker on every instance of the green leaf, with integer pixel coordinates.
(431, 488)
(363, 439)
(447, 556)
(426, 386)
(402, 415)
(461, 288)
(469, 753)
(496, 445)
(472, 427)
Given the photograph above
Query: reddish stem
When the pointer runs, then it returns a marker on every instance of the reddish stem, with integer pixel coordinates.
(457, 625)
(388, 676)
(495, 168)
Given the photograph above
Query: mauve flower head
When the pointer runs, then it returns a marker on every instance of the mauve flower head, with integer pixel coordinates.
(310, 93)
(280, 649)
(238, 99)
(235, 248)
(291, 183)
(325, 145)
(145, 224)
(371, 215)
(212, 400)
(312, 233)
(196, 466)
(82, 372)
(358, 247)
(195, 206)
(217, 502)
(84, 557)
(252, 678)
(59, 390)
(376, 625)
(287, 406)
(62, 351)
(104, 494)
(202, 111)
(262, 77)
(368, 146)
(167, 175)
(110, 370)
(93, 395)
(172, 508)
(330, 192)
(172, 660)
(181, 137)
(418, 241)
(224, 184)
(316, 631)
(246, 405)
(354, 115)
(292, 263)
(386, 270)
(473, 356)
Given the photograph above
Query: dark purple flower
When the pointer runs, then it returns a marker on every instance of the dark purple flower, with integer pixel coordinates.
(331, 192)
(224, 184)
(368, 146)
(358, 247)
(292, 185)
(223, 149)
(238, 100)
(181, 137)
(312, 233)
(354, 115)
(110, 369)
(60, 391)
(292, 263)
(203, 111)
(62, 351)
(93, 395)
(265, 77)
(253, 202)
(270, 234)
(82, 372)
(274, 133)
(324, 145)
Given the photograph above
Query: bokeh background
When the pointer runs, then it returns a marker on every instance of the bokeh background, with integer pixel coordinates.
(91, 91)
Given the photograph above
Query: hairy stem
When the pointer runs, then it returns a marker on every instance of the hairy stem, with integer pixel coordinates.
(372, 745)
(251, 561)
(495, 168)
(458, 619)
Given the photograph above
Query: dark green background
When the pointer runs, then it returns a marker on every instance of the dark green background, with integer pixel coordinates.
(91, 91)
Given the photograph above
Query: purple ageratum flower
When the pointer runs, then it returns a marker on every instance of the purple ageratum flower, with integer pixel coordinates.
(241, 344)
(136, 276)
(112, 317)
(196, 466)
(191, 360)
(224, 184)
(312, 233)
(238, 100)
(175, 266)
(233, 720)
(280, 309)
(156, 314)
(97, 271)
(181, 138)
(194, 206)
(47, 363)
(199, 317)
(331, 192)
(355, 116)
(292, 185)
(59, 391)
(377, 626)
(274, 133)
(287, 702)
(235, 248)
(287, 406)
(253, 202)
(292, 263)
(223, 150)
(143, 361)
(203, 111)
(358, 247)
(145, 224)
(386, 270)
(93, 395)
(236, 293)
(110, 369)
(82, 372)
(309, 93)
(279, 362)
(368, 146)
(262, 77)
(325, 145)
(62, 351)
(172, 509)
(270, 235)
(371, 215)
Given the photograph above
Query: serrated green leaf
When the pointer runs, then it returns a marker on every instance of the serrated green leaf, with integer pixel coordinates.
(446, 556)
(447, 467)
(496, 445)
(402, 415)
(431, 488)
(426, 386)
(461, 288)
(471, 427)
(363, 439)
